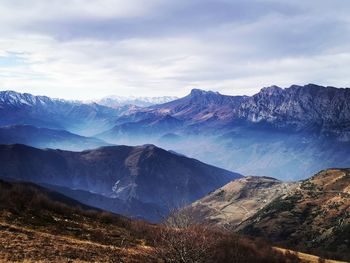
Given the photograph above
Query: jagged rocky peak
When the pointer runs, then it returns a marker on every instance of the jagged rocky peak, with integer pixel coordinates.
(272, 90)
(308, 88)
(200, 92)
(209, 98)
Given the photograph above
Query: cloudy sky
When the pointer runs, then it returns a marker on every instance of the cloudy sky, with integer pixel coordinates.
(84, 49)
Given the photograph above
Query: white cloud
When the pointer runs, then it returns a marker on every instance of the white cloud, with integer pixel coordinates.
(161, 56)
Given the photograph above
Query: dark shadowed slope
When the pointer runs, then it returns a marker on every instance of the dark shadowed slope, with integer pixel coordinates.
(145, 173)
(41, 225)
(132, 208)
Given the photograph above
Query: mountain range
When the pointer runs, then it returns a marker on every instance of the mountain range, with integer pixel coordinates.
(283, 133)
(311, 108)
(44, 112)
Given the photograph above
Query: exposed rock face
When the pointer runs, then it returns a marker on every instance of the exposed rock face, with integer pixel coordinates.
(309, 108)
(145, 173)
(233, 203)
(325, 110)
(314, 216)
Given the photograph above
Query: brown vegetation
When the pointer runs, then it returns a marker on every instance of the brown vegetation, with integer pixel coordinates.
(238, 200)
(313, 218)
(180, 239)
(40, 225)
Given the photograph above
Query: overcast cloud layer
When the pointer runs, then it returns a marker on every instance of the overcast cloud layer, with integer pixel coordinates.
(84, 49)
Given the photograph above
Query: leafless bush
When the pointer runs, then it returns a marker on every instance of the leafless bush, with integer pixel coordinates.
(181, 239)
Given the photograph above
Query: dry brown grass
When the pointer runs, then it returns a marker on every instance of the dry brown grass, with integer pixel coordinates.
(313, 218)
(39, 226)
(307, 258)
(19, 244)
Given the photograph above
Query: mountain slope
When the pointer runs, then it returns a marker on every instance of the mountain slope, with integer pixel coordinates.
(238, 200)
(47, 138)
(132, 208)
(315, 216)
(145, 173)
(39, 225)
(33, 219)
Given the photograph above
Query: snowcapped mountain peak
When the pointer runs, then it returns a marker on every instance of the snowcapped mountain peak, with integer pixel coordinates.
(117, 101)
(9, 97)
(13, 98)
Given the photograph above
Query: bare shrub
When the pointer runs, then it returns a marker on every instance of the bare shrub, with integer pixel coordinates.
(181, 239)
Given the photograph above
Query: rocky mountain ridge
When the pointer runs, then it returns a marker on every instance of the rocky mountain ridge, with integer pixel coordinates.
(311, 108)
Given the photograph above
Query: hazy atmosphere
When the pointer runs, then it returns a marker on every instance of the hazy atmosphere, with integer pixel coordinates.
(175, 131)
(91, 49)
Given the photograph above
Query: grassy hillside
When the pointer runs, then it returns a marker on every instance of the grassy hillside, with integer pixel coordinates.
(233, 203)
(314, 217)
(37, 224)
